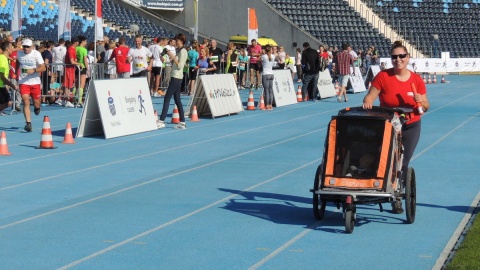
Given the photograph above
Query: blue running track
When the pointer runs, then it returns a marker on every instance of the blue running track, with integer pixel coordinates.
(227, 193)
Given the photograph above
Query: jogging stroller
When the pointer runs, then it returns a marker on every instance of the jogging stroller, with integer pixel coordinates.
(362, 163)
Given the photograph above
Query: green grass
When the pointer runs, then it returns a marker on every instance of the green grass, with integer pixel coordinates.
(467, 256)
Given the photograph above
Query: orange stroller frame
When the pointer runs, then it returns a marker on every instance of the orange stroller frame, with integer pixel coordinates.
(362, 163)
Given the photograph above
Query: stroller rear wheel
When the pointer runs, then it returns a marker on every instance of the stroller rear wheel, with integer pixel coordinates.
(318, 203)
(410, 196)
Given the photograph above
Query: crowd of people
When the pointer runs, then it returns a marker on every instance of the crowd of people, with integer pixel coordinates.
(61, 72)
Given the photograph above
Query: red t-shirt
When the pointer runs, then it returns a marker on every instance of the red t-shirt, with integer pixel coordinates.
(394, 93)
(71, 54)
(254, 50)
(120, 54)
(13, 63)
(324, 55)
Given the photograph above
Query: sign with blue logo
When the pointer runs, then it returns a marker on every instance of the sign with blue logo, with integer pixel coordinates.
(117, 107)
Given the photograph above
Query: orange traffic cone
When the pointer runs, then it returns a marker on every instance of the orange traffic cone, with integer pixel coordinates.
(251, 102)
(261, 103)
(299, 94)
(47, 141)
(194, 116)
(68, 139)
(435, 78)
(306, 97)
(443, 79)
(175, 116)
(4, 145)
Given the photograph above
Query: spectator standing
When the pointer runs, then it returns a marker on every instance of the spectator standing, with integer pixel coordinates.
(30, 64)
(193, 55)
(345, 60)
(71, 66)
(267, 61)
(17, 46)
(375, 55)
(82, 58)
(120, 54)
(48, 60)
(111, 71)
(216, 56)
(138, 56)
(5, 100)
(368, 59)
(242, 67)
(311, 66)
(174, 88)
(282, 56)
(298, 64)
(157, 66)
(167, 61)
(232, 60)
(58, 53)
(254, 52)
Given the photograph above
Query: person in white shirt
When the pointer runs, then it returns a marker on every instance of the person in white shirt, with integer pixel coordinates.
(267, 61)
(58, 53)
(167, 60)
(30, 63)
(138, 57)
(157, 65)
(353, 54)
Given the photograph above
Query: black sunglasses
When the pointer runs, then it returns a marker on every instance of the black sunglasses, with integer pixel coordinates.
(403, 55)
(26, 47)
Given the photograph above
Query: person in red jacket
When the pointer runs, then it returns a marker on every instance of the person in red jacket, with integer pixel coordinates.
(120, 54)
(393, 87)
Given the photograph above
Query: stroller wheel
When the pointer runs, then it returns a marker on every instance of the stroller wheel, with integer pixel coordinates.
(410, 196)
(318, 203)
(349, 221)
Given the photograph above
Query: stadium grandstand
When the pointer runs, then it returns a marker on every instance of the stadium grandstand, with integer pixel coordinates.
(427, 27)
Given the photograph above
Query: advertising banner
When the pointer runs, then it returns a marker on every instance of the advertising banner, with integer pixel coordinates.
(164, 4)
(325, 86)
(283, 88)
(117, 107)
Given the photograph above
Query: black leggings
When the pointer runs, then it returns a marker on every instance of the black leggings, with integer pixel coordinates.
(411, 136)
(173, 90)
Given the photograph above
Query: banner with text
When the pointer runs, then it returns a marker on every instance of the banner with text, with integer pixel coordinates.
(216, 95)
(164, 4)
(325, 86)
(355, 81)
(117, 107)
(283, 88)
(434, 65)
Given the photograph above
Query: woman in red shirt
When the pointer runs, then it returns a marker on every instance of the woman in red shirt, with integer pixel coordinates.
(393, 86)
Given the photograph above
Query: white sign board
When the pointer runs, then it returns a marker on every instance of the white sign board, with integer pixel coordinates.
(355, 81)
(283, 88)
(371, 73)
(117, 107)
(440, 65)
(325, 86)
(216, 95)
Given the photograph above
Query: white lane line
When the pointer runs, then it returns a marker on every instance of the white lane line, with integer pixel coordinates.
(152, 181)
(299, 236)
(136, 237)
(163, 133)
(285, 246)
(146, 155)
(442, 259)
